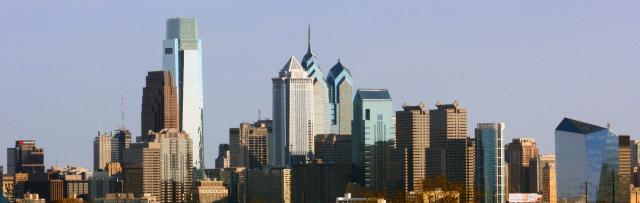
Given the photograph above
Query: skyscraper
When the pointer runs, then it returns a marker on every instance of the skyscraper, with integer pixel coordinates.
(109, 147)
(412, 138)
(293, 116)
(320, 90)
(224, 157)
(518, 154)
(269, 185)
(372, 131)
(448, 133)
(587, 154)
(490, 162)
(248, 144)
(183, 58)
(25, 157)
(468, 188)
(341, 93)
(159, 102)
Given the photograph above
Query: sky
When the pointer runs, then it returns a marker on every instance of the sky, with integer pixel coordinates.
(66, 65)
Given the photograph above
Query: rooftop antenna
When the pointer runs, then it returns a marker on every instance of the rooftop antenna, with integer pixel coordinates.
(122, 107)
(259, 114)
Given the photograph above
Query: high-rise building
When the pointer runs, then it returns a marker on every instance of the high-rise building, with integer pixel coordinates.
(448, 134)
(269, 185)
(235, 179)
(248, 144)
(210, 191)
(320, 90)
(25, 157)
(7, 187)
(183, 58)
(518, 154)
(159, 102)
(372, 131)
(293, 116)
(588, 157)
(341, 93)
(468, 188)
(543, 176)
(176, 174)
(224, 156)
(635, 153)
(109, 147)
(491, 166)
(412, 139)
(142, 170)
(319, 181)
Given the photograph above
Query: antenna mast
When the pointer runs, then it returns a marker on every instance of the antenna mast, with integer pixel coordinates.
(122, 125)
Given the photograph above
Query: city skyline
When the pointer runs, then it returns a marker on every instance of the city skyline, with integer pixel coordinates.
(41, 113)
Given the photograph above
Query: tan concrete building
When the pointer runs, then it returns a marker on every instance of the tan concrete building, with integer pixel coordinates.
(210, 191)
(518, 154)
(468, 190)
(269, 185)
(142, 169)
(248, 144)
(412, 140)
(235, 180)
(159, 102)
(448, 134)
(549, 190)
(125, 198)
(8, 186)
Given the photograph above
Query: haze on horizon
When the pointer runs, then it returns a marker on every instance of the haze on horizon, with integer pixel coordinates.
(526, 63)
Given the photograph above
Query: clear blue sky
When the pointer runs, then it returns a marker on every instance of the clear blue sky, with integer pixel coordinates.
(526, 63)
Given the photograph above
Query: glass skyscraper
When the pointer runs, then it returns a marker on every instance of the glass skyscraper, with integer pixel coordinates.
(182, 56)
(587, 158)
(373, 133)
(490, 163)
(320, 90)
(341, 94)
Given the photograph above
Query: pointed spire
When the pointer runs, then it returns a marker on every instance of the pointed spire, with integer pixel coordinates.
(309, 39)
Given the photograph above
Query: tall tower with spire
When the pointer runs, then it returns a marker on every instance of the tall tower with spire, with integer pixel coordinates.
(293, 116)
(320, 89)
(182, 56)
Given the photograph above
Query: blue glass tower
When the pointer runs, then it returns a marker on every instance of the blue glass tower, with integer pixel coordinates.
(341, 94)
(373, 132)
(586, 158)
(490, 162)
(320, 89)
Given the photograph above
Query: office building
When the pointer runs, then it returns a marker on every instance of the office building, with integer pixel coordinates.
(372, 131)
(125, 198)
(591, 155)
(341, 93)
(490, 161)
(269, 185)
(31, 198)
(320, 90)
(159, 102)
(468, 188)
(448, 134)
(235, 179)
(543, 176)
(210, 191)
(108, 147)
(293, 116)
(248, 144)
(25, 157)
(7, 184)
(412, 137)
(176, 173)
(319, 181)
(518, 154)
(141, 169)
(183, 58)
(224, 156)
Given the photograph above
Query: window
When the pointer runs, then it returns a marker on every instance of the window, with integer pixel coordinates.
(367, 114)
(168, 51)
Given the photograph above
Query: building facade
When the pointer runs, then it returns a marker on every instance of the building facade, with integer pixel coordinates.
(248, 144)
(269, 185)
(224, 157)
(293, 116)
(543, 176)
(183, 58)
(341, 94)
(25, 157)
(320, 90)
(210, 191)
(159, 102)
(490, 161)
(588, 156)
(372, 131)
(319, 181)
(518, 154)
(109, 146)
(412, 138)
(448, 134)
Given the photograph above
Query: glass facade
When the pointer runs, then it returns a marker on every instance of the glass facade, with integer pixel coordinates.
(373, 133)
(491, 171)
(341, 93)
(183, 57)
(587, 158)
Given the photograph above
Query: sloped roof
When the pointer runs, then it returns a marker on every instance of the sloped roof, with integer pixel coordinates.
(374, 94)
(575, 126)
